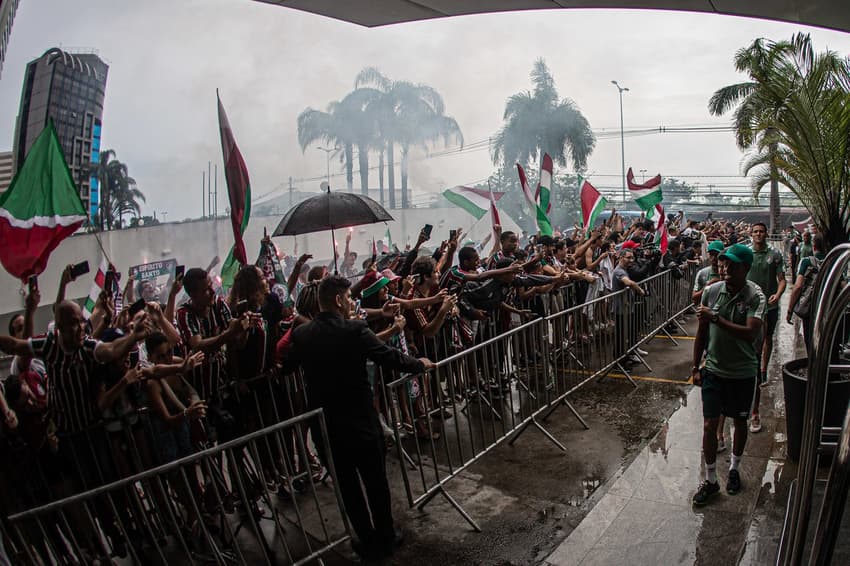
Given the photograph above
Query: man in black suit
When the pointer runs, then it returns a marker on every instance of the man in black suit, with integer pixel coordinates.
(332, 350)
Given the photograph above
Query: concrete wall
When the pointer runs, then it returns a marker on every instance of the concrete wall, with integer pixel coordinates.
(194, 244)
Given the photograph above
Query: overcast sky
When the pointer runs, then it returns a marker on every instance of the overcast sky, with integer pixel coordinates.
(167, 57)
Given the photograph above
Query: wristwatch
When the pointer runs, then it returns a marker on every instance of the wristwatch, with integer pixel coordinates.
(714, 317)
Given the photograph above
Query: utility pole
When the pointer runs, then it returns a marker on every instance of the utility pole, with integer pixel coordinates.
(621, 90)
(215, 191)
(209, 187)
(203, 199)
(290, 191)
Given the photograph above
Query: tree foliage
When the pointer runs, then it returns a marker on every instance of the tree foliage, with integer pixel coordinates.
(538, 122)
(377, 116)
(795, 115)
(119, 194)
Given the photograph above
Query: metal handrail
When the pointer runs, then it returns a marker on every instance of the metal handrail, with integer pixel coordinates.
(164, 469)
(827, 314)
(834, 498)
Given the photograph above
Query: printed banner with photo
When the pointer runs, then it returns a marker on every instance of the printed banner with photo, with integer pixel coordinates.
(153, 280)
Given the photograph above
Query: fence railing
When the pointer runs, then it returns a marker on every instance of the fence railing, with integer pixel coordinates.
(209, 507)
(492, 392)
(216, 505)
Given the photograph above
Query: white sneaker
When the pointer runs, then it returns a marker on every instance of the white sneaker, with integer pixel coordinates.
(641, 352)
(721, 445)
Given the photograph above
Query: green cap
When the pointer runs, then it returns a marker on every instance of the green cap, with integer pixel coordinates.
(738, 253)
(716, 246)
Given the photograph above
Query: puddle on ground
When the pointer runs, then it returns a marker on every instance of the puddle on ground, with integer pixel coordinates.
(772, 474)
(589, 485)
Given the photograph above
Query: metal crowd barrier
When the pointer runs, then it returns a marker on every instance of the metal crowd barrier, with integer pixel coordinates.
(208, 507)
(479, 397)
(832, 296)
(440, 423)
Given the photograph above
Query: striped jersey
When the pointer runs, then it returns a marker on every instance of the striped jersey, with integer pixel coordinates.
(72, 381)
(208, 377)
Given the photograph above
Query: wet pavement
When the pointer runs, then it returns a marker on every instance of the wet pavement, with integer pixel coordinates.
(528, 497)
(646, 515)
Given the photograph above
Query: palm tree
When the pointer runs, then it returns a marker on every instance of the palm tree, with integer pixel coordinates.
(113, 177)
(538, 122)
(408, 114)
(796, 114)
(124, 199)
(751, 108)
(346, 124)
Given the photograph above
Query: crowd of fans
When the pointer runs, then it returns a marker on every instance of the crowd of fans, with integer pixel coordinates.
(92, 400)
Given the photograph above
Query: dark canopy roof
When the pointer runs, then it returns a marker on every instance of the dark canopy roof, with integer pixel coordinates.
(833, 14)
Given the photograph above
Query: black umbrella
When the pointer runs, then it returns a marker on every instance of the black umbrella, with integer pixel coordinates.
(329, 211)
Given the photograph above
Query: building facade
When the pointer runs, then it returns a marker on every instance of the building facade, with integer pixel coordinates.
(68, 88)
(6, 170)
(7, 15)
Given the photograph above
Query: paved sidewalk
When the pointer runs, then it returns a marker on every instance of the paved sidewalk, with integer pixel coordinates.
(645, 516)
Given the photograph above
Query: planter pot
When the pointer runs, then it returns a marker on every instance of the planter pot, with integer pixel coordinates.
(795, 382)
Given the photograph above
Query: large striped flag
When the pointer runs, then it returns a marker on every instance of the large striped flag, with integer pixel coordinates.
(543, 224)
(647, 195)
(40, 209)
(543, 194)
(592, 203)
(239, 194)
(475, 201)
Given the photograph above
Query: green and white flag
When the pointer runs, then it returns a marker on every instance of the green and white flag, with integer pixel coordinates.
(543, 224)
(544, 186)
(475, 201)
(647, 195)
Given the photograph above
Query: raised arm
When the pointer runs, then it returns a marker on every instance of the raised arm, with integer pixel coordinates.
(391, 358)
(163, 323)
(296, 273)
(31, 304)
(107, 352)
(236, 327)
(15, 346)
(430, 330)
(63, 282)
(176, 286)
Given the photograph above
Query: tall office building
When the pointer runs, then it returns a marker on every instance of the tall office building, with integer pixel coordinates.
(7, 15)
(69, 88)
(5, 170)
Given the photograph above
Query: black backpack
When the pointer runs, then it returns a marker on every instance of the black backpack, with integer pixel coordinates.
(803, 307)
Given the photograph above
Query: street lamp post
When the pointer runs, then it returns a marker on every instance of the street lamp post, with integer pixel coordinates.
(621, 90)
(328, 151)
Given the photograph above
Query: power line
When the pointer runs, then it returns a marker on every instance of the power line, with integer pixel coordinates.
(487, 143)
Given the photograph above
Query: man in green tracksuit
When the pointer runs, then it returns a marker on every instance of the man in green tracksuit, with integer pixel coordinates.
(768, 272)
(730, 320)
